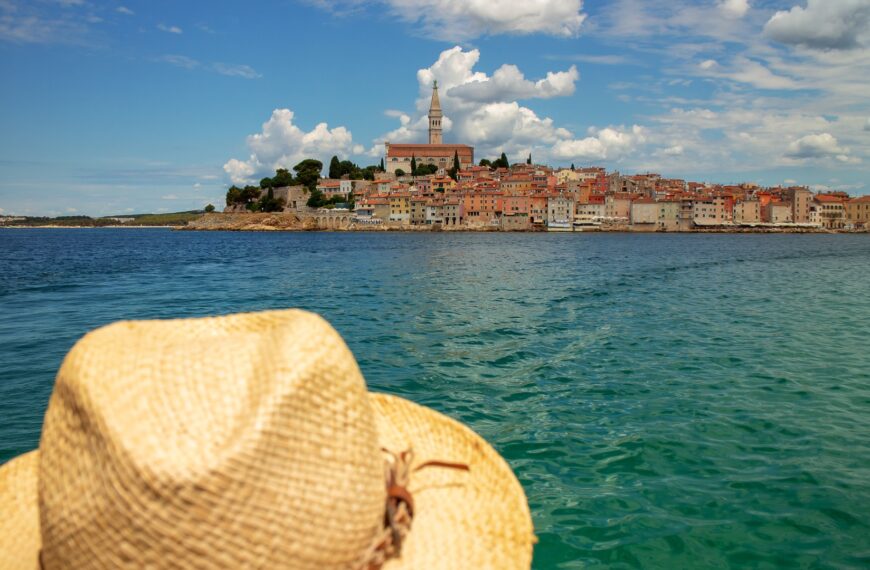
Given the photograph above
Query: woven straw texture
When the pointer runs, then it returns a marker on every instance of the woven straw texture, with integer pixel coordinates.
(474, 519)
(19, 514)
(246, 441)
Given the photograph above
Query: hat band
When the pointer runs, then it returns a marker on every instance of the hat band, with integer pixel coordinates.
(399, 512)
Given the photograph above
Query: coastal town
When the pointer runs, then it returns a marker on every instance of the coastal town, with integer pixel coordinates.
(439, 186)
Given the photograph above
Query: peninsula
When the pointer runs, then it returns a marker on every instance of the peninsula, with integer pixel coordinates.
(439, 186)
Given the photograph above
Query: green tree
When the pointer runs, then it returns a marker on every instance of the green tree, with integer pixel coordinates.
(209, 209)
(454, 170)
(382, 166)
(572, 166)
(334, 168)
(282, 178)
(529, 160)
(250, 194)
(266, 183)
(308, 173)
(349, 168)
(234, 195)
(400, 172)
(316, 199)
(485, 162)
(413, 165)
(504, 161)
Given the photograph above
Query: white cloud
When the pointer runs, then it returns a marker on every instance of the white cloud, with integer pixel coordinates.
(604, 144)
(748, 71)
(597, 59)
(867, 125)
(508, 83)
(233, 70)
(169, 197)
(124, 10)
(169, 29)
(822, 145)
(457, 20)
(676, 150)
(32, 28)
(180, 61)
(734, 8)
(823, 24)
(483, 111)
(282, 144)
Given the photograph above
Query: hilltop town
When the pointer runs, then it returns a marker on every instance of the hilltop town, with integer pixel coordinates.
(439, 186)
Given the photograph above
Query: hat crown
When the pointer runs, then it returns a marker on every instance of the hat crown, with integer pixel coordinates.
(251, 436)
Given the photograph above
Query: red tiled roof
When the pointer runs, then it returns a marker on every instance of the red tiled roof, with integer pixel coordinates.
(829, 199)
(424, 150)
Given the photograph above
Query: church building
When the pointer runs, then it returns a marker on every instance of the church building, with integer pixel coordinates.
(399, 155)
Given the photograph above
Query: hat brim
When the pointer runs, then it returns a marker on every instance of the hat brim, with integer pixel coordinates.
(19, 524)
(470, 519)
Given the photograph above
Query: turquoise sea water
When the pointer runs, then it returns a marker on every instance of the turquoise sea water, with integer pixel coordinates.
(667, 401)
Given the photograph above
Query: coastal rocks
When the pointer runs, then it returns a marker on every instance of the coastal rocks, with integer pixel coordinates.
(247, 222)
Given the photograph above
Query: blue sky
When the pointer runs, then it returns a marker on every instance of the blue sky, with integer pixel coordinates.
(134, 106)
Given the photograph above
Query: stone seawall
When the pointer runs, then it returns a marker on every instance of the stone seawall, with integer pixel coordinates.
(343, 221)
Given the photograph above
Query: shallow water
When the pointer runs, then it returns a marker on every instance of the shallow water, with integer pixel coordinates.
(667, 401)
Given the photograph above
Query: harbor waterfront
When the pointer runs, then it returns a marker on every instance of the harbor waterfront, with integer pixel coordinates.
(667, 400)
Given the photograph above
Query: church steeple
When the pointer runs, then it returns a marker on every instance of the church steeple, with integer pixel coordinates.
(435, 117)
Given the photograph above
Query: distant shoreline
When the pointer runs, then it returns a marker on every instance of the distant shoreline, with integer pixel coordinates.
(57, 227)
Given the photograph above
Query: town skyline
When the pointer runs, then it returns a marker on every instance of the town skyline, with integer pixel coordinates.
(753, 92)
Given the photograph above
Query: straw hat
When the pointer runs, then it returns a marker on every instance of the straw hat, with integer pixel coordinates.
(250, 441)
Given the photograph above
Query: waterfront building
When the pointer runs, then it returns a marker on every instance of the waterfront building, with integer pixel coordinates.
(400, 207)
(715, 211)
(589, 212)
(831, 212)
(418, 210)
(454, 212)
(399, 156)
(801, 199)
(779, 212)
(858, 212)
(644, 214)
(515, 204)
(483, 208)
(434, 211)
(538, 210)
(560, 213)
(669, 215)
(617, 206)
(749, 212)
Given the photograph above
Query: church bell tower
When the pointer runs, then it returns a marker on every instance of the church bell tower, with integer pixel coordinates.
(435, 117)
